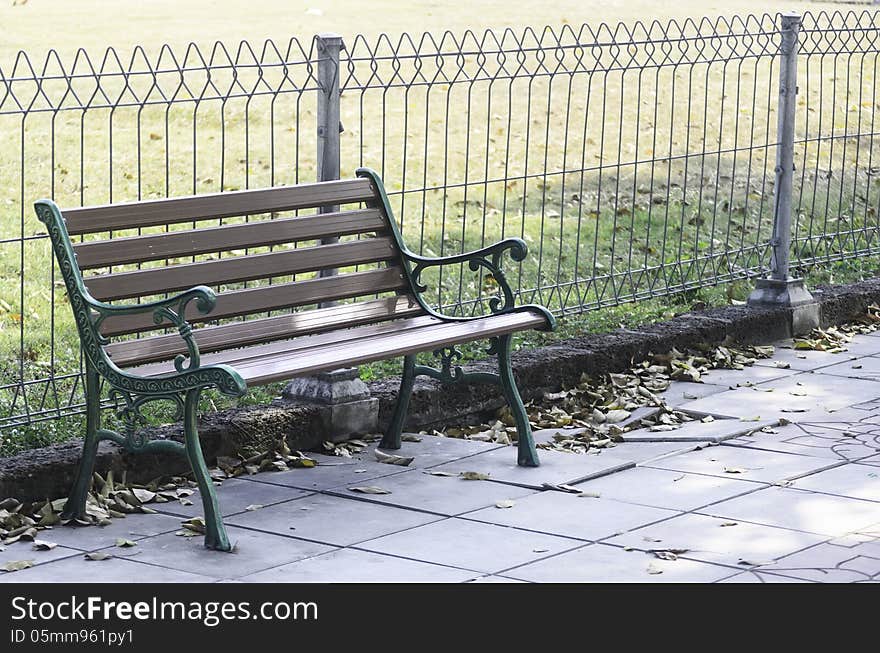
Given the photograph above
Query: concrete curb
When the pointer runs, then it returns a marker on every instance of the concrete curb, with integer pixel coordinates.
(48, 472)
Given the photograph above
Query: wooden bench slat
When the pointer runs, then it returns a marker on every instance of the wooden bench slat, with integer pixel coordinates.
(241, 334)
(277, 296)
(137, 249)
(307, 355)
(149, 213)
(141, 283)
(338, 337)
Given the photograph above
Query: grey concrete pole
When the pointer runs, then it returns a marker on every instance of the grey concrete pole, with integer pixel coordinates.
(348, 408)
(780, 290)
(329, 125)
(779, 267)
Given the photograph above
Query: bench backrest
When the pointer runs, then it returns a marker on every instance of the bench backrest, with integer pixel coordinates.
(169, 245)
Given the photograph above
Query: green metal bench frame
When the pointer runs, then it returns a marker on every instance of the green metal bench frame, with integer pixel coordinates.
(184, 386)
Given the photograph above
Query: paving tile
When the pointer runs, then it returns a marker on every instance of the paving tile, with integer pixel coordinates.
(667, 489)
(750, 375)
(556, 466)
(495, 579)
(682, 392)
(758, 576)
(809, 440)
(354, 566)
(744, 464)
(444, 495)
(600, 563)
(862, 346)
(331, 519)
(570, 515)
(546, 435)
(255, 551)
(331, 471)
(871, 460)
(24, 551)
(470, 545)
(810, 512)
(816, 395)
(645, 453)
(830, 563)
(708, 539)
(91, 538)
(234, 496)
(866, 367)
(801, 360)
(698, 431)
(865, 542)
(435, 450)
(851, 480)
(806, 359)
(114, 570)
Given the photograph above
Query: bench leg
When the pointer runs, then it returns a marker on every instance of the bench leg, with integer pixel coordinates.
(527, 454)
(75, 506)
(391, 440)
(215, 532)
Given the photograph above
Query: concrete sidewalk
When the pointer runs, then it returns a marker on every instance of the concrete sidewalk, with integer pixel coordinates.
(703, 503)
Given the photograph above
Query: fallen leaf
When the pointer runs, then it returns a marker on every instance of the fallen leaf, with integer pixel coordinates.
(754, 563)
(125, 544)
(561, 488)
(369, 489)
(43, 545)
(17, 565)
(507, 503)
(196, 524)
(474, 476)
(98, 556)
(735, 470)
(393, 459)
(438, 473)
(665, 555)
(653, 569)
(729, 523)
(254, 506)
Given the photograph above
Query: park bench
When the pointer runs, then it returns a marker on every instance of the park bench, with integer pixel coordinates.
(159, 248)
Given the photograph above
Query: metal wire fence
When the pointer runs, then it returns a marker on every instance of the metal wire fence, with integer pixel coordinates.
(636, 160)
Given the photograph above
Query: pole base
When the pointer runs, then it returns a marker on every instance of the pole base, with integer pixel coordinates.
(349, 410)
(792, 295)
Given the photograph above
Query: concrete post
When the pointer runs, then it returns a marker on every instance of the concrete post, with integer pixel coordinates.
(329, 124)
(348, 408)
(780, 289)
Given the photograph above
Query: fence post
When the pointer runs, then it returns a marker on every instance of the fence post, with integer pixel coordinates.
(347, 407)
(780, 289)
(329, 124)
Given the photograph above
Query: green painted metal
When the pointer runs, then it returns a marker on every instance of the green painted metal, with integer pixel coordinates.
(489, 259)
(391, 439)
(187, 381)
(215, 532)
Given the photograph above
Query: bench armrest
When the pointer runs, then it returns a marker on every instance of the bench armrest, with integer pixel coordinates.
(488, 258)
(171, 309)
